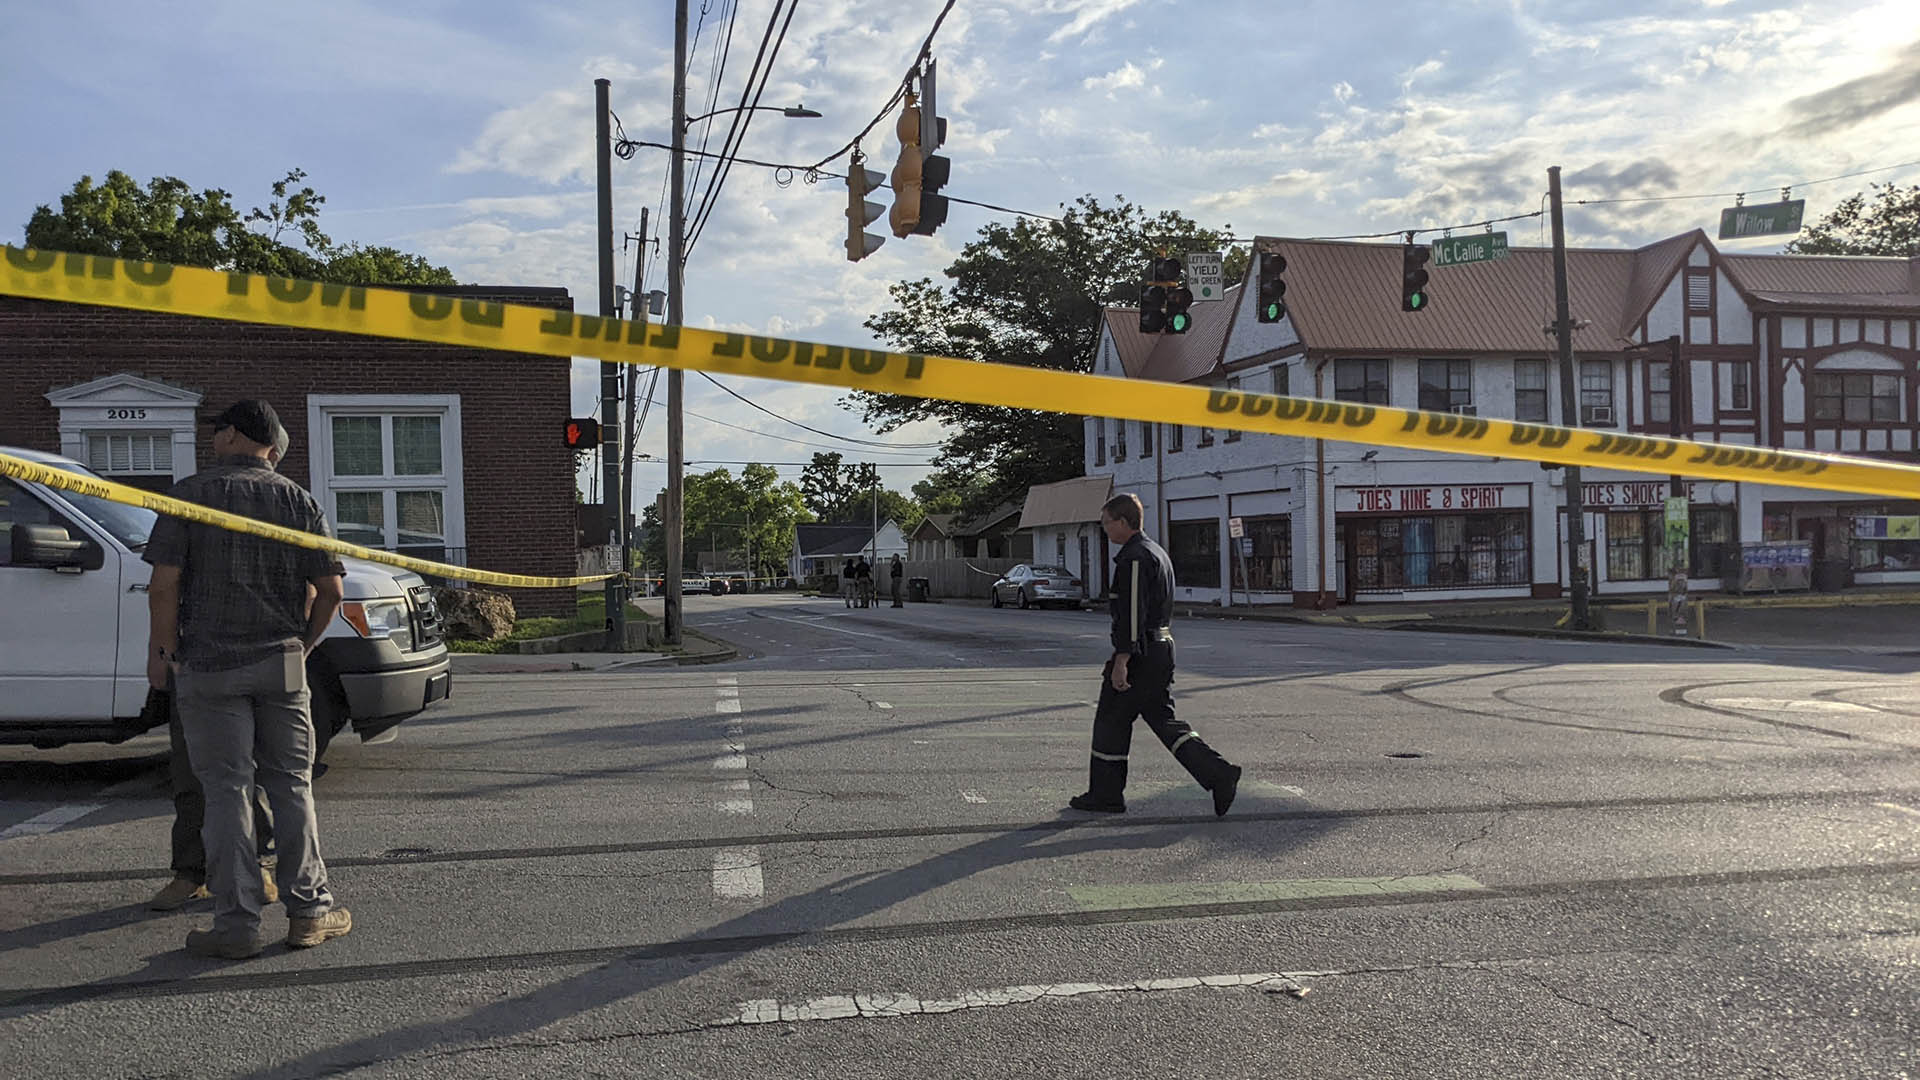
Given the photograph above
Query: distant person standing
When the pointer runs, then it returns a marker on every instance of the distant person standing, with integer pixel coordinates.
(847, 583)
(863, 577)
(899, 569)
(1138, 679)
(231, 626)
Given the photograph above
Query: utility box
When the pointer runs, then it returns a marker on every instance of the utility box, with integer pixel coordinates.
(1776, 566)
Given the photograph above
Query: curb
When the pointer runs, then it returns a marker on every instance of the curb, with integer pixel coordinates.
(722, 651)
(1566, 635)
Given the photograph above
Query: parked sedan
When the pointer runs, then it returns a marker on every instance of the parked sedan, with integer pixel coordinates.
(1038, 586)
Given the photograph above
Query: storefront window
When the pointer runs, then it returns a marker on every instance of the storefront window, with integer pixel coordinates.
(1635, 551)
(1451, 551)
(1712, 540)
(1885, 537)
(1270, 567)
(1194, 547)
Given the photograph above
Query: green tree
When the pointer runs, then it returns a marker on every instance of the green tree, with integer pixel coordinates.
(838, 492)
(1029, 293)
(724, 512)
(1889, 225)
(168, 221)
(948, 491)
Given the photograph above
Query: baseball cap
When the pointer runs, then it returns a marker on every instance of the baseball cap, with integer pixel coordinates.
(253, 418)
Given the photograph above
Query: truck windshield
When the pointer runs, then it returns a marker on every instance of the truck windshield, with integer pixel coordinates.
(131, 525)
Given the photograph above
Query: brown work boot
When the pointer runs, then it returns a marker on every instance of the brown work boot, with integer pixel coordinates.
(266, 879)
(220, 946)
(306, 933)
(177, 894)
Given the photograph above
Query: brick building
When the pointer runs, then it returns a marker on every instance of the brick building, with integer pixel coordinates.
(445, 453)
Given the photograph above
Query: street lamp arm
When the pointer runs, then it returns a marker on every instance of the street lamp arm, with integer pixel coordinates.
(798, 111)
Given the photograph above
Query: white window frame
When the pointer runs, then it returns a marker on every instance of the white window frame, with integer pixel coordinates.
(322, 408)
(125, 404)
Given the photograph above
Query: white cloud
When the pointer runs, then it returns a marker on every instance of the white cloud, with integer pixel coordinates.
(1124, 77)
(1343, 91)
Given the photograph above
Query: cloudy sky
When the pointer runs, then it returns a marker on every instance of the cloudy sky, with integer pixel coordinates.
(464, 131)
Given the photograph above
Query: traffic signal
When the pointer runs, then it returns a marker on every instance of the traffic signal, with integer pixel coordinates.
(935, 170)
(907, 171)
(1163, 300)
(1413, 278)
(1273, 289)
(1179, 319)
(583, 434)
(860, 212)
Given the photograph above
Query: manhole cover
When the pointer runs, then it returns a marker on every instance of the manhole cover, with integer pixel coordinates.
(405, 852)
(1406, 755)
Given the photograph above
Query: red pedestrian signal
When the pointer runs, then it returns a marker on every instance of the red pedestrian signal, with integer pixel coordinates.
(583, 434)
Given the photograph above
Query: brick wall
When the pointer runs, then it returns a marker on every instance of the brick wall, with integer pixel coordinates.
(518, 477)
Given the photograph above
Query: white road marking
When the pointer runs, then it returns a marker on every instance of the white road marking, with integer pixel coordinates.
(1291, 790)
(881, 1005)
(727, 680)
(821, 624)
(1902, 809)
(728, 691)
(730, 761)
(1787, 705)
(882, 705)
(973, 796)
(48, 821)
(736, 874)
(727, 705)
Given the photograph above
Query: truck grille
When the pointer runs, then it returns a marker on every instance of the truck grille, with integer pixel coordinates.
(427, 630)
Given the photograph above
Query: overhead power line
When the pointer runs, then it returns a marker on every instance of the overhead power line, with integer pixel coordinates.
(899, 92)
(843, 438)
(742, 122)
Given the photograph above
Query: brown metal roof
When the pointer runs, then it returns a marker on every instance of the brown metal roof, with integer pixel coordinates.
(1346, 296)
(1174, 357)
(1844, 274)
(1653, 267)
(1889, 302)
(1069, 502)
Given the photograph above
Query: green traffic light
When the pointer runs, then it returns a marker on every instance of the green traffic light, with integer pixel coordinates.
(1179, 323)
(1273, 312)
(1416, 301)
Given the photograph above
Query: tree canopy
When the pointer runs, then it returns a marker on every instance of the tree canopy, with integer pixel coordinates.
(1029, 293)
(1888, 225)
(168, 221)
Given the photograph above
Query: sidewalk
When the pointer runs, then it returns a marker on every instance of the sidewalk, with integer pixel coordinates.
(1881, 620)
(696, 648)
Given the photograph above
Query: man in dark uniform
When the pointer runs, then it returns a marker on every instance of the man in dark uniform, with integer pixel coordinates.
(1138, 680)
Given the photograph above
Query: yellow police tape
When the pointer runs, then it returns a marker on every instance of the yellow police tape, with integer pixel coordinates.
(33, 472)
(474, 323)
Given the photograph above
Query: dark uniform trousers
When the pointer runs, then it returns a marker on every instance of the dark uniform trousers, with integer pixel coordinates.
(190, 808)
(1149, 696)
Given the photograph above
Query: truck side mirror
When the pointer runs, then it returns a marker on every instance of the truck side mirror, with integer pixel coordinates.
(49, 547)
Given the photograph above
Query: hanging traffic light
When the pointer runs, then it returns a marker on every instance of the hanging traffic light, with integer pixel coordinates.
(583, 433)
(1164, 300)
(1179, 299)
(1273, 290)
(860, 212)
(1413, 278)
(907, 171)
(935, 170)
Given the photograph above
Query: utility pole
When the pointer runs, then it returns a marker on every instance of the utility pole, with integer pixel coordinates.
(676, 313)
(1569, 410)
(638, 313)
(611, 448)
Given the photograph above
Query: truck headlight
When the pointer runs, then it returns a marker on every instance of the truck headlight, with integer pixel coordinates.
(380, 619)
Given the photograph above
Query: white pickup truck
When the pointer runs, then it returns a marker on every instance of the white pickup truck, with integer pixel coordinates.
(73, 628)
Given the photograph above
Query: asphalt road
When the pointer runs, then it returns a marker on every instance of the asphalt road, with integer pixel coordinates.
(846, 855)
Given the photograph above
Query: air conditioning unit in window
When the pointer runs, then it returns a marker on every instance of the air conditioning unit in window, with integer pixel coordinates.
(1597, 414)
(1464, 410)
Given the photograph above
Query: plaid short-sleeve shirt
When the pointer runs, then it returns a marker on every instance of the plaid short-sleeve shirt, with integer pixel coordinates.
(242, 598)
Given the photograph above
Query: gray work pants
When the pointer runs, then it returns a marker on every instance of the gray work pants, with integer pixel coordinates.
(253, 724)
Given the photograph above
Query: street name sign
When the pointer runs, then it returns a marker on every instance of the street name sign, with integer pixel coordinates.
(1480, 247)
(1206, 275)
(1765, 219)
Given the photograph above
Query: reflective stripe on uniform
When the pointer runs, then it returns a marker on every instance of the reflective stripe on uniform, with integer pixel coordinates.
(1134, 596)
(1108, 757)
(1176, 743)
